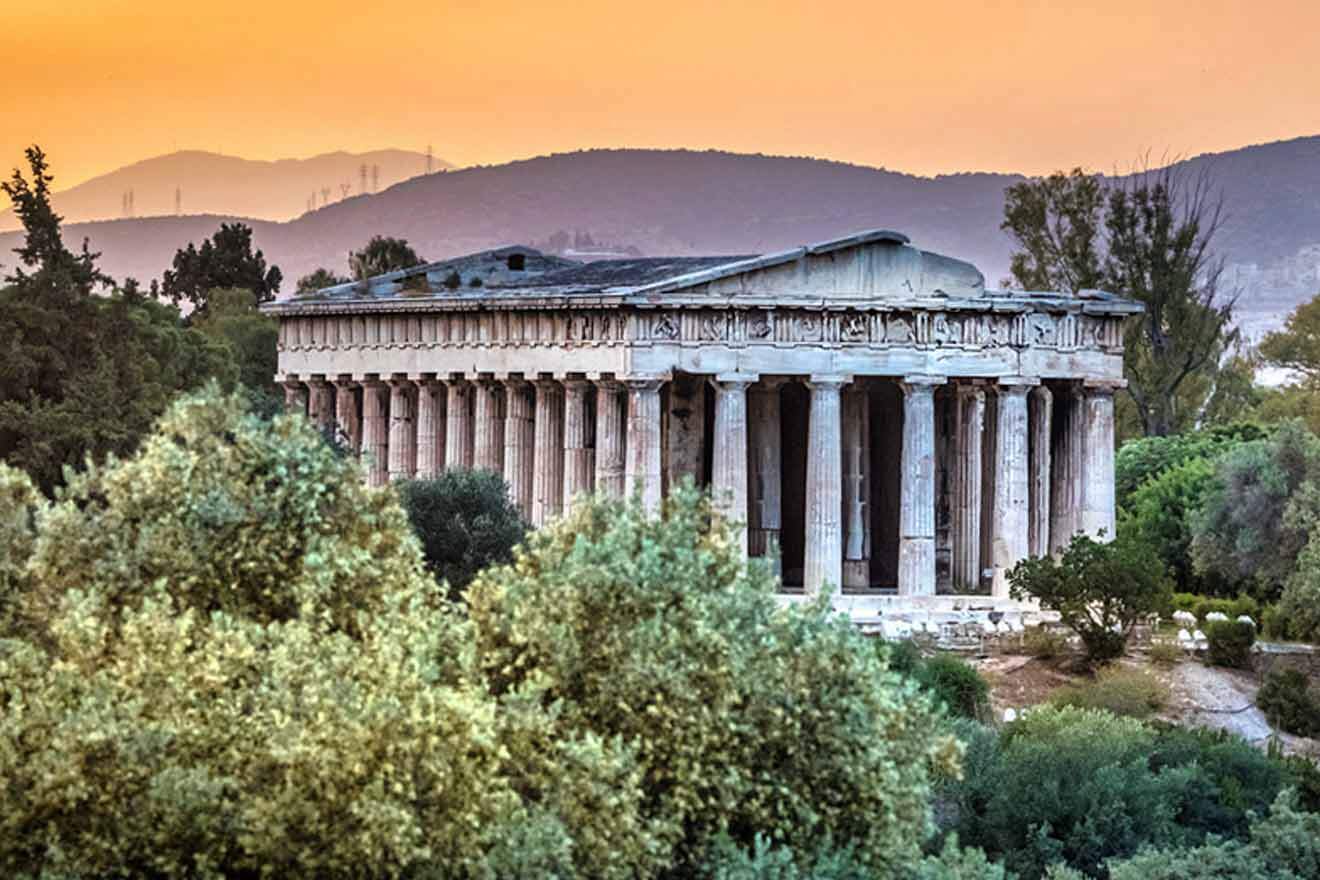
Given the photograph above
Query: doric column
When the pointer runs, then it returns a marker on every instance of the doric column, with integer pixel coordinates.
(823, 552)
(1066, 492)
(579, 456)
(548, 480)
(458, 425)
(295, 396)
(488, 426)
(519, 437)
(969, 426)
(765, 493)
(375, 418)
(320, 403)
(403, 426)
(610, 434)
(856, 487)
(1012, 482)
(430, 428)
(916, 515)
(348, 424)
(729, 458)
(1041, 415)
(642, 473)
(1098, 464)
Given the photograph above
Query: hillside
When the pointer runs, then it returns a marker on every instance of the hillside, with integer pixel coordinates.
(684, 202)
(210, 183)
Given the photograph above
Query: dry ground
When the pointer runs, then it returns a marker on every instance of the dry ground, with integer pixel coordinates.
(1200, 695)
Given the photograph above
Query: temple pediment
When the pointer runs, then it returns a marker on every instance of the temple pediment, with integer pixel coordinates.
(879, 264)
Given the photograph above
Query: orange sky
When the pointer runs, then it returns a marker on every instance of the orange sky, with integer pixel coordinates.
(924, 86)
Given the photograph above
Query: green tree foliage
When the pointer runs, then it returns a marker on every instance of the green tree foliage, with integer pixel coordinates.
(1229, 643)
(238, 666)
(1245, 530)
(317, 279)
(1147, 237)
(380, 255)
(1099, 589)
(1298, 610)
(1083, 787)
(1285, 845)
(1297, 346)
(1057, 222)
(1287, 701)
(232, 319)
(1143, 459)
(765, 861)
(224, 261)
(19, 503)
(464, 521)
(1162, 512)
(1160, 231)
(640, 629)
(955, 685)
(82, 374)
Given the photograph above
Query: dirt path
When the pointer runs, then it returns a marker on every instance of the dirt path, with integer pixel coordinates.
(1205, 696)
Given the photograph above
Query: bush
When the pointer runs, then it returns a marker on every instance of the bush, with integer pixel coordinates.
(1161, 513)
(902, 656)
(1286, 700)
(636, 629)
(1083, 786)
(464, 521)
(1244, 532)
(1165, 652)
(1273, 622)
(1064, 784)
(20, 504)
(1044, 643)
(764, 861)
(243, 668)
(1127, 692)
(1298, 610)
(1100, 590)
(956, 685)
(1230, 643)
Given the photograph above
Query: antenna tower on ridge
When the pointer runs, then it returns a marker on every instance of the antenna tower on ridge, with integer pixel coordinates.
(430, 160)
(362, 178)
(375, 177)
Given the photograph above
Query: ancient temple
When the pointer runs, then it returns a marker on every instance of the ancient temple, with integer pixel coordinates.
(879, 419)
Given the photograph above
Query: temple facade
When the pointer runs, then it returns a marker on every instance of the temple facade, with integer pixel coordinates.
(877, 417)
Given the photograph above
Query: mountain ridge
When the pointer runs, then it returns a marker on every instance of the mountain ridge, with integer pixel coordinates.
(690, 202)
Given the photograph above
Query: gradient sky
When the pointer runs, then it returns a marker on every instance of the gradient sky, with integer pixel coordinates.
(928, 86)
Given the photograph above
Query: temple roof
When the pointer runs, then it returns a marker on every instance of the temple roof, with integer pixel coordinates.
(875, 266)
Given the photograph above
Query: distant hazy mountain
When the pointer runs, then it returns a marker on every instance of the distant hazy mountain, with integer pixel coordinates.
(210, 183)
(683, 202)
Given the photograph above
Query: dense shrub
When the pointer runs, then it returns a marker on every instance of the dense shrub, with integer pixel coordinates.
(956, 685)
(1083, 786)
(242, 668)
(638, 629)
(20, 502)
(1165, 652)
(1229, 643)
(1297, 615)
(902, 655)
(1232, 608)
(1285, 845)
(1128, 692)
(1161, 513)
(1143, 459)
(1285, 698)
(764, 861)
(464, 521)
(1244, 531)
(1100, 590)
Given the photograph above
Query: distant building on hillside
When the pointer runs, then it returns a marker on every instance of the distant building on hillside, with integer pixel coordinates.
(878, 418)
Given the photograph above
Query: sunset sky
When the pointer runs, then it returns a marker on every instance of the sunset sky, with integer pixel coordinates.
(927, 87)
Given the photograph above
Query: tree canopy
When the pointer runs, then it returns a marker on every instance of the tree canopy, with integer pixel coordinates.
(224, 261)
(83, 374)
(1147, 237)
(382, 254)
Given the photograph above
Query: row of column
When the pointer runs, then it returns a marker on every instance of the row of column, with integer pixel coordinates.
(1026, 483)
(539, 434)
(1048, 481)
